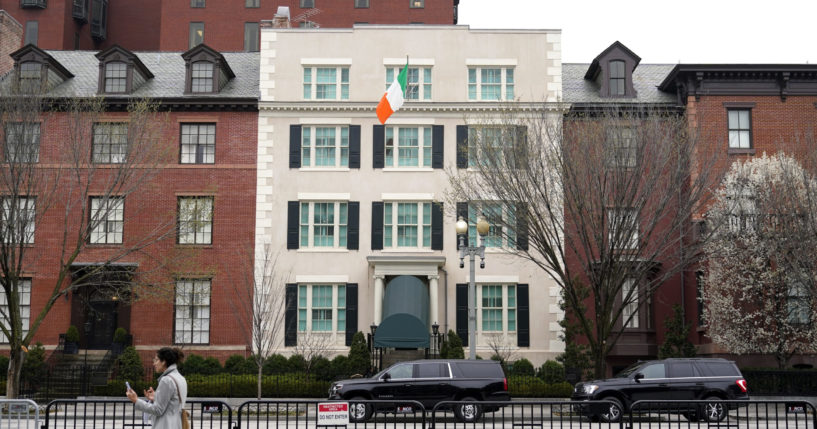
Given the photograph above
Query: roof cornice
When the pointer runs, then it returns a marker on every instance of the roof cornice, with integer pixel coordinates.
(413, 107)
(741, 79)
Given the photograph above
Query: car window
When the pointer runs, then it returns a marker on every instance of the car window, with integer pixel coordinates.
(402, 371)
(681, 369)
(718, 369)
(655, 370)
(432, 370)
(481, 370)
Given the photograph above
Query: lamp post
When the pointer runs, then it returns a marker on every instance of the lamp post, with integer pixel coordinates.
(482, 230)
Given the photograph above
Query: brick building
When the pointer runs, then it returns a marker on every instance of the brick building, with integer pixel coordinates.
(200, 199)
(176, 25)
(11, 37)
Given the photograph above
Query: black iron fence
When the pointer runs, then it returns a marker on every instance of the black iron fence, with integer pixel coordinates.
(359, 413)
(781, 382)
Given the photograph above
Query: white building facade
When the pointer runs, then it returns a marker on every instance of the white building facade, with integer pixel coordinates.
(357, 211)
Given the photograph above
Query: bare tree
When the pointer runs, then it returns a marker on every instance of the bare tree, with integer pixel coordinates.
(761, 269)
(502, 348)
(601, 198)
(312, 345)
(258, 301)
(51, 175)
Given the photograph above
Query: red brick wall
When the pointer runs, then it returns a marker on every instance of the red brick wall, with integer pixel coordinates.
(11, 39)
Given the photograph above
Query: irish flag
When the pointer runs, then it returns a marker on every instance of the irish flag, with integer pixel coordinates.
(393, 98)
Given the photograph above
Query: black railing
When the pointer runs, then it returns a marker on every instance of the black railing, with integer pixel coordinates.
(781, 382)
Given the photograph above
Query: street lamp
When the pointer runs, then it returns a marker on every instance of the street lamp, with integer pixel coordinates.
(482, 230)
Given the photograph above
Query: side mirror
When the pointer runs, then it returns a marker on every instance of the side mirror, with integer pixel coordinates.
(386, 377)
(638, 377)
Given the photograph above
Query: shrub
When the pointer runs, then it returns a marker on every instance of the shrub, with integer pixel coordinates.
(196, 364)
(322, 368)
(359, 358)
(72, 334)
(235, 364)
(522, 367)
(454, 349)
(296, 363)
(552, 372)
(130, 366)
(340, 367)
(120, 335)
(4, 363)
(533, 387)
(34, 369)
(275, 364)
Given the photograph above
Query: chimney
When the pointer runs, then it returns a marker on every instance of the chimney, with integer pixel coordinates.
(281, 18)
(11, 39)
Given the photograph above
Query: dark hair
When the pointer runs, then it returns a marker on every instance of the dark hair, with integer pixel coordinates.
(170, 355)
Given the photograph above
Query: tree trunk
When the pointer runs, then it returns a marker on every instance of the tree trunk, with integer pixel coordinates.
(15, 368)
(260, 373)
(599, 358)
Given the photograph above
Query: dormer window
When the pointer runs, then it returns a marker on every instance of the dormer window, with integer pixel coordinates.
(36, 71)
(116, 77)
(617, 78)
(207, 70)
(30, 77)
(202, 77)
(612, 71)
(121, 71)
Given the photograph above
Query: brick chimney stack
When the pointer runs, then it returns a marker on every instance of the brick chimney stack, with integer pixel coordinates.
(11, 39)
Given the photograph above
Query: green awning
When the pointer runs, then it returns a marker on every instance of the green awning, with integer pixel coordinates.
(401, 330)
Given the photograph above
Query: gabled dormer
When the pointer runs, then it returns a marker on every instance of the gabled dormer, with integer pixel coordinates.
(206, 71)
(120, 71)
(35, 71)
(612, 70)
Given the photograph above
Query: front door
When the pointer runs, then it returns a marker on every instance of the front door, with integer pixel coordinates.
(101, 324)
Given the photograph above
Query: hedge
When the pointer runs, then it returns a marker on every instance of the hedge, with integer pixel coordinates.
(238, 386)
(534, 387)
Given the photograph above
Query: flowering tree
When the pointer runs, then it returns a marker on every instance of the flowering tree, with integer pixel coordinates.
(760, 283)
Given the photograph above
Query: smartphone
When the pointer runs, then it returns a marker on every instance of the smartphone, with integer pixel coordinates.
(127, 385)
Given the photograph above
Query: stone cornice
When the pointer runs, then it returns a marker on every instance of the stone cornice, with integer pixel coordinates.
(274, 106)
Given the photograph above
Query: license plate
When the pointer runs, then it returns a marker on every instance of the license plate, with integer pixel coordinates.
(405, 409)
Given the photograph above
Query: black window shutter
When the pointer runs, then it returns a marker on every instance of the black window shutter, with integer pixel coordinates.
(437, 146)
(462, 146)
(522, 226)
(378, 146)
(291, 315)
(522, 316)
(462, 313)
(351, 312)
(462, 212)
(377, 225)
(436, 226)
(353, 226)
(293, 224)
(294, 146)
(354, 146)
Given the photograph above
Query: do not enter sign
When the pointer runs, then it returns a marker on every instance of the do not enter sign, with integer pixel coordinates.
(333, 414)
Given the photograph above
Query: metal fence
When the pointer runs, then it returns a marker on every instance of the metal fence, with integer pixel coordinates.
(19, 414)
(120, 413)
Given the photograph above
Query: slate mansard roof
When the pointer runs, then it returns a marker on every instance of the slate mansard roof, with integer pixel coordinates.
(646, 78)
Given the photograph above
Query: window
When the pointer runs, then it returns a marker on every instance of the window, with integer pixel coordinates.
(24, 304)
(408, 147)
(79, 11)
(629, 293)
(322, 308)
(30, 76)
(617, 77)
(622, 228)
(492, 84)
(417, 4)
(740, 128)
(362, 4)
(498, 308)
(18, 219)
(654, 371)
(307, 3)
(99, 19)
(407, 224)
(252, 3)
(744, 212)
(201, 78)
(251, 36)
(797, 302)
(32, 33)
(192, 312)
(325, 146)
(621, 148)
(22, 142)
(197, 3)
(196, 34)
(402, 371)
(107, 220)
(33, 3)
(195, 220)
(499, 215)
(326, 83)
(418, 82)
(198, 143)
(110, 143)
(324, 224)
(116, 77)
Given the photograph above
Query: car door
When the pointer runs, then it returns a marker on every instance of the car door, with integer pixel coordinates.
(683, 383)
(653, 386)
(393, 384)
(433, 382)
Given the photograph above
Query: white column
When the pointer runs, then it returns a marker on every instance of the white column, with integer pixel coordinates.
(379, 286)
(433, 301)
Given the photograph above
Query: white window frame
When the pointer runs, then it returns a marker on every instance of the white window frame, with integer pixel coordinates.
(107, 224)
(202, 77)
(306, 224)
(391, 225)
(310, 82)
(26, 208)
(116, 81)
(419, 88)
(192, 296)
(495, 238)
(307, 309)
(630, 308)
(197, 147)
(621, 147)
(30, 149)
(110, 144)
(393, 141)
(740, 133)
(798, 310)
(508, 307)
(616, 217)
(309, 139)
(620, 81)
(476, 85)
(744, 212)
(24, 295)
(195, 223)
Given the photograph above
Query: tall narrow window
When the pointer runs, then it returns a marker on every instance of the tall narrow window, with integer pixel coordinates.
(116, 77)
(22, 142)
(196, 34)
(407, 225)
(622, 228)
(617, 77)
(107, 220)
(500, 216)
(251, 37)
(195, 220)
(110, 143)
(322, 308)
(201, 77)
(18, 219)
(30, 77)
(23, 303)
(32, 33)
(192, 312)
(621, 148)
(408, 147)
(497, 308)
(324, 224)
(740, 128)
(198, 143)
(325, 146)
(629, 296)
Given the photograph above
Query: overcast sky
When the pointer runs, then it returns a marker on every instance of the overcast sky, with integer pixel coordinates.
(662, 31)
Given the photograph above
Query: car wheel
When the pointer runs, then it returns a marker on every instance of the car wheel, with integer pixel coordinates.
(468, 413)
(713, 411)
(359, 410)
(614, 411)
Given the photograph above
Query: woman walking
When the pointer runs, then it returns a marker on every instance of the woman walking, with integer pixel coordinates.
(165, 404)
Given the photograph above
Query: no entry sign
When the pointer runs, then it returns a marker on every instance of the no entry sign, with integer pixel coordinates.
(333, 414)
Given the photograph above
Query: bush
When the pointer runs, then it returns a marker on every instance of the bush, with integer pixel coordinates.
(130, 367)
(296, 363)
(340, 367)
(235, 364)
(552, 372)
(275, 364)
(72, 334)
(4, 363)
(34, 369)
(533, 387)
(359, 358)
(453, 347)
(120, 335)
(196, 364)
(522, 367)
(322, 368)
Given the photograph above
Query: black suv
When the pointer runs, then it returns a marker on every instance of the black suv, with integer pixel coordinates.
(670, 379)
(428, 382)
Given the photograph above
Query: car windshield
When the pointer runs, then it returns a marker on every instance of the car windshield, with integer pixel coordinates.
(630, 370)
